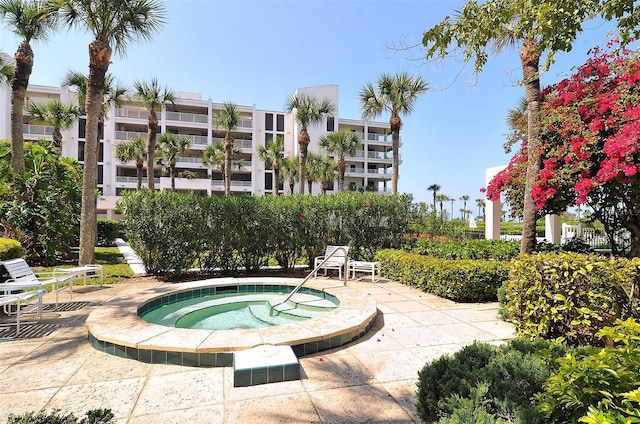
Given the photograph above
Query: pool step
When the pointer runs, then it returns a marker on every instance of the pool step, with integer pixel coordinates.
(264, 364)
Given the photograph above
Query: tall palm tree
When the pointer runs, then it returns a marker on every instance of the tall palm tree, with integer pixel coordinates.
(227, 119)
(215, 157)
(481, 204)
(441, 198)
(396, 95)
(152, 96)
(272, 155)
(452, 202)
(133, 150)
(340, 143)
(170, 147)
(290, 171)
(435, 188)
(30, 20)
(314, 169)
(114, 24)
(465, 198)
(307, 111)
(55, 114)
(327, 170)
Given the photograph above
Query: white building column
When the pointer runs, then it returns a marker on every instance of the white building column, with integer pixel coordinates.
(492, 211)
(552, 228)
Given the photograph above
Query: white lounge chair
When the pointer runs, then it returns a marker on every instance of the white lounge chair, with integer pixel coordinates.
(18, 299)
(335, 262)
(22, 278)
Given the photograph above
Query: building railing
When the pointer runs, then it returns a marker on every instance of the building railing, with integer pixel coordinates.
(182, 159)
(187, 117)
(220, 183)
(37, 129)
(132, 113)
(134, 180)
(130, 135)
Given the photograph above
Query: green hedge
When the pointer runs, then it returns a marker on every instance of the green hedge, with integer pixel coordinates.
(173, 232)
(459, 280)
(108, 231)
(9, 249)
(569, 295)
(445, 248)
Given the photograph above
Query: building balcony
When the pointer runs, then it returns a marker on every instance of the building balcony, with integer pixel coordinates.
(132, 113)
(134, 180)
(187, 117)
(37, 130)
(243, 186)
(242, 144)
(130, 135)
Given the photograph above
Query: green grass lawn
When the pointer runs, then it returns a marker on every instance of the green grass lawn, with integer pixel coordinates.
(115, 267)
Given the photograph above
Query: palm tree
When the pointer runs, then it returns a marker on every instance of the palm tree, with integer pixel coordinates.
(290, 171)
(6, 69)
(452, 201)
(442, 198)
(340, 143)
(228, 119)
(481, 204)
(55, 114)
(214, 156)
(170, 147)
(327, 170)
(30, 20)
(435, 188)
(135, 150)
(307, 111)
(396, 95)
(113, 23)
(152, 96)
(465, 198)
(272, 155)
(314, 169)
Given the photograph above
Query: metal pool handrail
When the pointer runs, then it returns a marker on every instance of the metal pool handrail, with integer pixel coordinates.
(295, 290)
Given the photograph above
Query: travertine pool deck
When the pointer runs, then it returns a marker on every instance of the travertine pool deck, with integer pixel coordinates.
(370, 380)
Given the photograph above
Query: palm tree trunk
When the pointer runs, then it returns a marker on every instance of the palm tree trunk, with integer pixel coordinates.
(342, 168)
(228, 146)
(22, 72)
(99, 58)
(172, 175)
(396, 124)
(57, 137)
(152, 131)
(530, 60)
(139, 166)
(303, 142)
(310, 185)
(276, 177)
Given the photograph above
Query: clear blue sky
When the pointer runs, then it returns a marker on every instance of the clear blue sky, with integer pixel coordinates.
(259, 52)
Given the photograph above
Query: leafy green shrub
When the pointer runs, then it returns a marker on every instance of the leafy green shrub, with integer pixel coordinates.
(569, 295)
(467, 249)
(503, 379)
(94, 416)
(9, 249)
(460, 280)
(41, 206)
(108, 231)
(597, 382)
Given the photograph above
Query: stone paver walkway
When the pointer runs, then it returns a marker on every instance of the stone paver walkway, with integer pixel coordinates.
(372, 380)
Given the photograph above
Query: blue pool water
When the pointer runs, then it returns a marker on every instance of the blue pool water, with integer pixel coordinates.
(228, 311)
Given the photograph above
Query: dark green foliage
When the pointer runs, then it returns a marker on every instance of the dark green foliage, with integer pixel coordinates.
(577, 245)
(569, 295)
(108, 231)
(9, 249)
(174, 232)
(462, 280)
(467, 249)
(94, 416)
(40, 207)
(484, 382)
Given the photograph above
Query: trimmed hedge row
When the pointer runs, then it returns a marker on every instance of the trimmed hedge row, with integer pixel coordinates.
(570, 295)
(9, 249)
(173, 232)
(459, 280)
(108, 231)
(467, 249)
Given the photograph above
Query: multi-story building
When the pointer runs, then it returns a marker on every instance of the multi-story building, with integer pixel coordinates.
(192, 117)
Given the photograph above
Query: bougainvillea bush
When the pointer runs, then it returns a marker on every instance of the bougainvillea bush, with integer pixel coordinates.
(591, 135)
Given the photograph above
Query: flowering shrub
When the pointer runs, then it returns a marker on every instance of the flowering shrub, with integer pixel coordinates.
(590, 150)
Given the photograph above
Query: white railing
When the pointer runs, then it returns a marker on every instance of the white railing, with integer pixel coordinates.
(189, 160)
(134, 180)
(130, 135)
(37, 129)
(381, 138)
(198, 139)
(245, 123)
(220, 183)
(244, 144)
(354, 171)
(132, 113)
(187, 117)
(245, 164)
